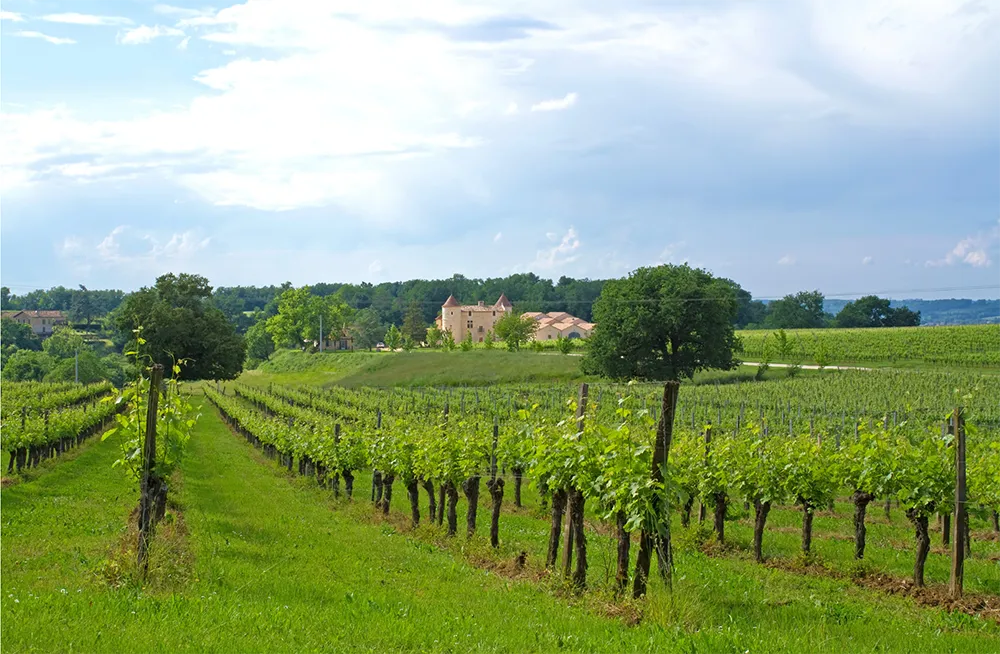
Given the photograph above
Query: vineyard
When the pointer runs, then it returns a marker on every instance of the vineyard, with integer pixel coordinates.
(40, 421)
(804, 444)
(961, 346)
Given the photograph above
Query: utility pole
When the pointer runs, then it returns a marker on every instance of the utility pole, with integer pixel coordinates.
(321, 332)
(76, 366)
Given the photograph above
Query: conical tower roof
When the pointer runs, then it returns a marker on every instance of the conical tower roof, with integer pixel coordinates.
(451, 302)
(504, 302)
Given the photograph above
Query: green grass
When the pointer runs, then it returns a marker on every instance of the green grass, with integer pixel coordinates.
(417, 368)
(277, 565)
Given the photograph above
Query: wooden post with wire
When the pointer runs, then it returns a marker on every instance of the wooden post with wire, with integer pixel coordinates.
(147, 483)
(961, 513)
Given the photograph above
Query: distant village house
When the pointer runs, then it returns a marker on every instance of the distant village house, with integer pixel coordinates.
(41, 322)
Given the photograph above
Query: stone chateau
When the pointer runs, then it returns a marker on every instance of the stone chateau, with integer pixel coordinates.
(479, 319)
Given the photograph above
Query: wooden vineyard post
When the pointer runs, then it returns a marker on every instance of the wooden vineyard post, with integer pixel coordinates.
(495, 487)
(961, 514)
(146, 481)
(574, 538)
(660, 536)
(708, 445)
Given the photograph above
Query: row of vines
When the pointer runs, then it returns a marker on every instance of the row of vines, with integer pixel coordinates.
(601, 453)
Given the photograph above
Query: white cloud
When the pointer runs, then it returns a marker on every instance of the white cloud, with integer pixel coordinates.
(145, 34)
(303, 125)
(867, 261)
(184, 12)
(787, 260)
(375, 267)
(126, 245)
(559, 104)
(671, 254)
(86, 19)
(973, 251)
(496, 239)
(11, 16)
(184, 43)
(56, 40)
(566, 251)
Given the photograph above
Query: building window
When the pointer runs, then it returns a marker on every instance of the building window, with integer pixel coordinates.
(480, 329)
(550, 335)
(494, 314)
(469, 324)
(470, 314)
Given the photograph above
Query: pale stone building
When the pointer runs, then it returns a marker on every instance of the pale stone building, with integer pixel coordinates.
(43, 323)
(554, 324)
(479, 319)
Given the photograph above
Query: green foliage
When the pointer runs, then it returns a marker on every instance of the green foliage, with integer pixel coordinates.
(18, 335)
(434, 336)
(63, 343)
(175, 417)
(413, 323)
(393, 338)
(489, 341)
(873, 311)
(448, 342)
(27, 365)
(665, 322)
(564, 345)
(260, 344)
(365, 329)
(300, 314)
(798, 311)
(180, 322)
(91, 369)
(515, 329)
(467, 342)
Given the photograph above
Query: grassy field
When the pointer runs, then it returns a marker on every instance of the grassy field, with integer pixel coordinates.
(277, 565)
(437, 368)
(956, 347)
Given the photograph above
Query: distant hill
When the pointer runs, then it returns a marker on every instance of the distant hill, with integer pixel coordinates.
(940, 312)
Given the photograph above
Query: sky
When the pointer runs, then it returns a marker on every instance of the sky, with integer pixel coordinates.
(851, 146)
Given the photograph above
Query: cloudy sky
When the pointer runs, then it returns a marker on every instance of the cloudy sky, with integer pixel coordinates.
(850, 146)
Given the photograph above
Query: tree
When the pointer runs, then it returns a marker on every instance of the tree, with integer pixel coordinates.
(299, 316)
(27, 365)
(260, 345)
(18, 335)
(665, 322)
(564, 345)
(393, 338)
(448, 341)
(434, 336)
(748, 311)
(488, 340)
(873, 311)
(803, 310)
(64, 343)
(366, 330)
(178, 321)
(83, 306)
(515, 329)
(413, 322)
(466, 344)
(89, 367)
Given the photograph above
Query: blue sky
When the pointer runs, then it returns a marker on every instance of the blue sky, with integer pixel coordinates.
(847, 146)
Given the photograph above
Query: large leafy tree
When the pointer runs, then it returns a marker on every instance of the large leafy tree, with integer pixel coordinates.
(83, 305)
(413, 323)
(260, 345)
(64, 343)
(874, 311)
(665, 322)
(27, 365)
(179, 321)
(802, 310)
(515, 329)
(299, 313)
(365, 329)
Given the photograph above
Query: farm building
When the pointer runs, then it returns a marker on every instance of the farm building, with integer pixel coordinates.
(479, 319)
(41, 322)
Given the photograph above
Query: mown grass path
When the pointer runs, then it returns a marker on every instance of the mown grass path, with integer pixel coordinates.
(276, 567)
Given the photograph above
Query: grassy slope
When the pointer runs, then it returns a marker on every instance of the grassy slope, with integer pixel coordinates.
(436, 368)
(275, 569)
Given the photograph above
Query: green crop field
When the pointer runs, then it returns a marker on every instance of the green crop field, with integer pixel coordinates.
(963, 346)
(262, 550)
